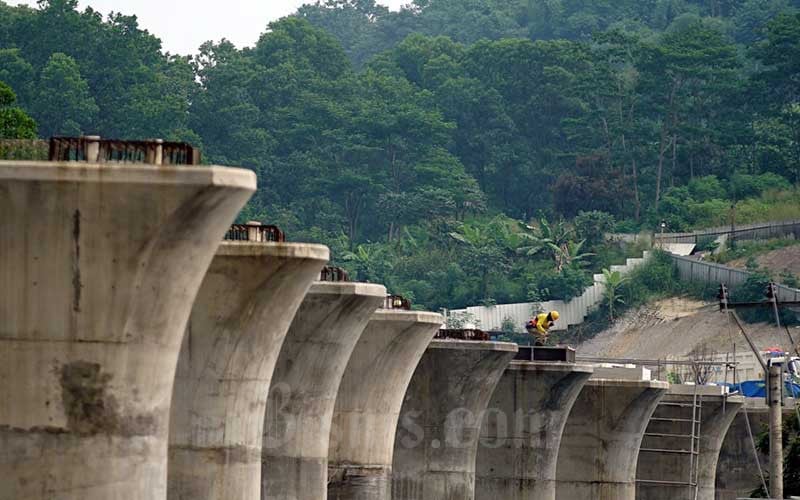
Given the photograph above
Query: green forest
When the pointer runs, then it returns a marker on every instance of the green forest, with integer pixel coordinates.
(459, 151)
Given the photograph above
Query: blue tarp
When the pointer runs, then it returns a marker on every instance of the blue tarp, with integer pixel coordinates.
(757, 389)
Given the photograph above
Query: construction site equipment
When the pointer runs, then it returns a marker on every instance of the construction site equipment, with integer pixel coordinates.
(397, 302)
(332, 273)
(92, 148)
(542, 353)
(255, 232)
(462, 334)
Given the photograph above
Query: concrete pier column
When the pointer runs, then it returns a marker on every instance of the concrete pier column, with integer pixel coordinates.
(440, 421)
(600, 443)
(100, 266)
(521, 433)
(737, 467)
(305, 384)
(238, 323)
(665, 469)
(369, 400)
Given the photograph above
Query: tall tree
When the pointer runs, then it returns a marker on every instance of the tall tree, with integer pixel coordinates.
(63, 103)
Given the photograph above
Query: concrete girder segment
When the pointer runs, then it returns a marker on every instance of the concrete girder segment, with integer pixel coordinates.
(305, 384)
(369, 400)
(669, 470)
(238, 323)
(522, 430)
(600, 442)
(437, 438)
(100, 266)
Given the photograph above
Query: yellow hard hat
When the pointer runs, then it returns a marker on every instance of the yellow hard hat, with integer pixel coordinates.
(554, 315)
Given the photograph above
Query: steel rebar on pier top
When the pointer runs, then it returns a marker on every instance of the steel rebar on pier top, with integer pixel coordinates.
(600, 443)
(238, 323)
(521, 433)
(302, 395)
(437, 438)
(100, 266)
(369, 400)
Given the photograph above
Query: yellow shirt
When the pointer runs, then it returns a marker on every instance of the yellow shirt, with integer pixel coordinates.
(542, 323)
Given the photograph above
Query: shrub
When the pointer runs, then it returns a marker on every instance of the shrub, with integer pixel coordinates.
(705, 188)
(592, 227)
(742, 186)
(566, 285)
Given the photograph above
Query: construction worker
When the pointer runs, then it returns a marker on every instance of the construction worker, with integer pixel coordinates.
(539, 326)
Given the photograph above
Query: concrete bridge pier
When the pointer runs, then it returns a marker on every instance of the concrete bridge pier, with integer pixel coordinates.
(522, 430)
(368, 403)
(304, 386)
(600, 444)
(437, 438)
(238, 323)
(665, 469)
(100, 266)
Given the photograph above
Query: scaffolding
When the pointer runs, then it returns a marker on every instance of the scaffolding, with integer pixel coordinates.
(672, 417)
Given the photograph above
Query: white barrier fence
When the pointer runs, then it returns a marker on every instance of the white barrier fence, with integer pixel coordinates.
(572, 313)
(575, 311)
(708, 272)
(757, 231)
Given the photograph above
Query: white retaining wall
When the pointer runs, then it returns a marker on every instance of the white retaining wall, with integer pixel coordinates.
(572, 312)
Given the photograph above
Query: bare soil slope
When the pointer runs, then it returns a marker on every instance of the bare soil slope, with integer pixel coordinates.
(780, 260)
(676, 327)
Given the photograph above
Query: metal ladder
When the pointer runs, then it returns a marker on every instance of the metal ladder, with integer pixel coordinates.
(693, 438)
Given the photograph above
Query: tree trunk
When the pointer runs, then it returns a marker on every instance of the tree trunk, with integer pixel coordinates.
(662, 148)
(638, 203)
(663, 144)
(674, 158)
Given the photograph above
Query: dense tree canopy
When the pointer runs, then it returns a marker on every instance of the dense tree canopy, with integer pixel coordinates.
(437, 148)
(14, 122)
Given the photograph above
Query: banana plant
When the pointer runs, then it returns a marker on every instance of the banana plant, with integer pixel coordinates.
(614, 280)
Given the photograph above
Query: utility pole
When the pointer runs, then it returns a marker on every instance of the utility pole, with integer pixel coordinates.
(775, 402)
(773, 372)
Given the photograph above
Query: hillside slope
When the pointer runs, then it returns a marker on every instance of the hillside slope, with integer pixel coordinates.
(676, 327)
(779, 260)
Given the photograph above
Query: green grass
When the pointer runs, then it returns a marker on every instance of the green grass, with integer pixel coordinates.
(770, 206)
(747, 249)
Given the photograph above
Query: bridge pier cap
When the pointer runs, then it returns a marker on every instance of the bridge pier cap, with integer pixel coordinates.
(440, 421)
(522, 429)
(100, 267)
(303, 392)
(369, 399)
(238, 323)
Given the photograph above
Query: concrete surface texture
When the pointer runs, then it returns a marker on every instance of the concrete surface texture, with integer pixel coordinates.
(521, 432)
(304, 386)
(600, 444)
(440, 421)
(100, 267)
(663, 475)
(737, 468)
(244, 308)
(368, 403)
